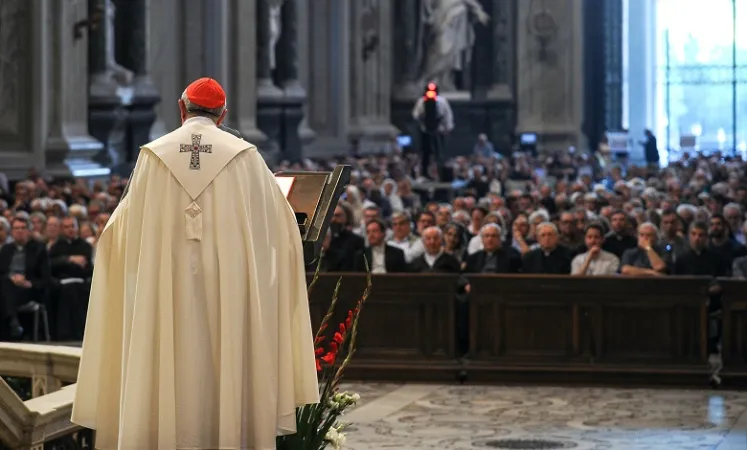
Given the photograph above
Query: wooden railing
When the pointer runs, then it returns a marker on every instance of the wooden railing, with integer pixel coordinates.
(557, 329)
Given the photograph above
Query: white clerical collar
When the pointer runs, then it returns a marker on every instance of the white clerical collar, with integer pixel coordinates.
(199, 119)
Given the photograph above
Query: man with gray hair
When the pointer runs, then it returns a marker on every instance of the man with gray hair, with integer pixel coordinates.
(646, 259)
(548, 257)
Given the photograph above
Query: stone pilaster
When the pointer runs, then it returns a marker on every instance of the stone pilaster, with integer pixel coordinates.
(24, 105)
(294, 95)
(69, 148)
(503, 45)
(305, 132)
(134, 21)
(329, 87)
(242, 106)
(550, 67)
(408, 50)
(370, 74)
(641, 73)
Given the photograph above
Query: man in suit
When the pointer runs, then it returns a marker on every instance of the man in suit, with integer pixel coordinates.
(24, 276)
(434, 260)
(71, 268)
(493, 258)
(344, 244)
(381, 257)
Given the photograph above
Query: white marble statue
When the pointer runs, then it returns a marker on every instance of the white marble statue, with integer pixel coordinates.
(452, 36)
(276, 28)
(121, 75)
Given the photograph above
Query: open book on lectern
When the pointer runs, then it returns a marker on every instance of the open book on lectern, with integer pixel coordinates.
(313, 197)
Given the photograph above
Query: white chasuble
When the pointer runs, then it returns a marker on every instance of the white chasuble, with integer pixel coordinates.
(198, 333)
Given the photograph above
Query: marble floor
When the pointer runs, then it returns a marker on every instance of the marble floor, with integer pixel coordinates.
(429, 417)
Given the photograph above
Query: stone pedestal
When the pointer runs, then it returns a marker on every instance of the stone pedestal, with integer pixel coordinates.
(132, 51)
(107, 116)
(69, 148)
(550, 82)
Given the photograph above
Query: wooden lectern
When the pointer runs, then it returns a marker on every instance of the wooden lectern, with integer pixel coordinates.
(314, 197)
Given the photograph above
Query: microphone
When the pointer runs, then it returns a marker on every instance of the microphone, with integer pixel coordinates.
(230, 131)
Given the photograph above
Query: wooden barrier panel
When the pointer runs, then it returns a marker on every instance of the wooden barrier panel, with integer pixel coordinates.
(556, 329)
(734, 316)
(551, 326)
(406, 330)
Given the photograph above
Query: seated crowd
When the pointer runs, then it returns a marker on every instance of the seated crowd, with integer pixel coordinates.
(560, 214)
(48, 233)
(687, 219)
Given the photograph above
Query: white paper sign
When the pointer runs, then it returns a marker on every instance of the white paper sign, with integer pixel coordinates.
(285, 183)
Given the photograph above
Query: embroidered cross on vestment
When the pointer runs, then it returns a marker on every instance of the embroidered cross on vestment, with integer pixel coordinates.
(196, 149)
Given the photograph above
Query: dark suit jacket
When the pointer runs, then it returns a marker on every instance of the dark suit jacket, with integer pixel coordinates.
(509, 261)
(342, 250)
(444, 264)
(37, 266)
(394, 259)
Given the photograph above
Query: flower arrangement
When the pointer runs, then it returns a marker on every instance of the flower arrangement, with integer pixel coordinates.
(317, 425)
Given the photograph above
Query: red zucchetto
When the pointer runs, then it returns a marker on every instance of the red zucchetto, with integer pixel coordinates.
(206, 93)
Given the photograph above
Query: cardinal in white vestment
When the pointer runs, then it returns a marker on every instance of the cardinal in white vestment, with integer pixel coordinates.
(198, 333)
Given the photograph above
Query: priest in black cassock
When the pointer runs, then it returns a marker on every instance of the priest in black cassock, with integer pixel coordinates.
(72, 269)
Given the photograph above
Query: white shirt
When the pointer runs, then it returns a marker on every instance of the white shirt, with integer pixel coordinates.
(604, 264)
(431, 259)
(378, 264)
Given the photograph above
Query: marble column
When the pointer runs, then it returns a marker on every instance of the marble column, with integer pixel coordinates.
(294, 95)
(329, 87)
(502, 31)
(408, 51)
(305, 132)
(167, 53)
(69, 148)
(242, 80)
(550, 82)
(144, 96)
(107, 116)
(24, 105)
(641, 74)
(370, 74)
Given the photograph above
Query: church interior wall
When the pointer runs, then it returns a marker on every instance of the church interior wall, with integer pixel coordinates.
(343, 73)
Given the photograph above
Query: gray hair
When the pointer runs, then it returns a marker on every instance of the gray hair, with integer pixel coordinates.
(735, 206)
(437, 229)
(547, 224)
(201, 111)
(648, 225)
(539, 213)
(494, 226)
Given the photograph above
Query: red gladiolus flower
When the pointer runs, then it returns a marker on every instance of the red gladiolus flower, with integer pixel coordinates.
(329, 358)
(333, 347)
(342, 328)
(318, 340)
(338, 338)
(318, 366)
(319, 351)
